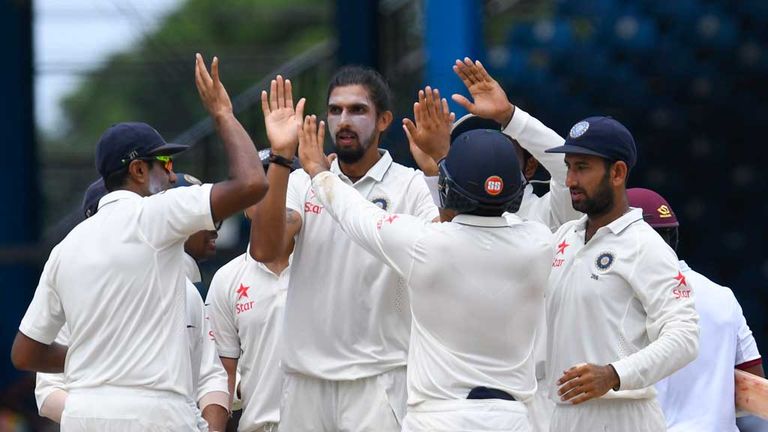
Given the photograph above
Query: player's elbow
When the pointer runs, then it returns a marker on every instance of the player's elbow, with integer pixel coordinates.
(263, 254)
(21, 357)
(255, 188)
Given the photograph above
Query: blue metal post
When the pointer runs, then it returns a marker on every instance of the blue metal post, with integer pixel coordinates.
(453, 30)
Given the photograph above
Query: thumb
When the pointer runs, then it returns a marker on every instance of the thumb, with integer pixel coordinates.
(461, 100)
(409, 129)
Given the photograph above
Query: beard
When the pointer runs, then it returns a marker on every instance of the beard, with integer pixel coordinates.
(600, 202)
(350, 155)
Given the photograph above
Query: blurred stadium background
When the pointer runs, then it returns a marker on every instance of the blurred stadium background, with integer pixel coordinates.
(688, 77)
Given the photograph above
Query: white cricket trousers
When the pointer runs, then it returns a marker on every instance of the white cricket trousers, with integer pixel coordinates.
(467, 415)
(118, 409)
(540, 408)
(609, 415)
(375, 404)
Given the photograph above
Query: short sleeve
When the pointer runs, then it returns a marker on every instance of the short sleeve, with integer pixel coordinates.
(45, 316)
(297, 189)
(175, 214)
(746, 348)
(221, 315)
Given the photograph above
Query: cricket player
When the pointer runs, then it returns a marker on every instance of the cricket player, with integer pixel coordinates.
(209, 377)
(246, 301)
(491, 109)
(699, 397)
(347, 315)
(127, 365)
(476, 282)
(619, 315)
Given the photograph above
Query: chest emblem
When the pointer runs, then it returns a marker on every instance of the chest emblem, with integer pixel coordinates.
(381, 202)
(604, 261)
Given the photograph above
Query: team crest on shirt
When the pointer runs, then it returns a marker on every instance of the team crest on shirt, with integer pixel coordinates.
(381, 202)
(604, 261)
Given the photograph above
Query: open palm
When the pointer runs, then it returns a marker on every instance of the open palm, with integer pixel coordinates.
(280, 117)
(490, 100)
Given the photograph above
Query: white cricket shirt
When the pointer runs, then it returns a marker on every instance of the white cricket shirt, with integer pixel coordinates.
(245, 304)
(699, 397)
(115, 280)
(476, 287)
(619, 299)
(347, 315)
(553, 208)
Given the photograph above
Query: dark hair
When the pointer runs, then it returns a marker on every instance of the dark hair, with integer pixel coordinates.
(378, 89)
(117, 179)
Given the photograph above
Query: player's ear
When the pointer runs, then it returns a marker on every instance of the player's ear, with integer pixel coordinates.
(138, 170)
(384, 120)
(531, 164)
(619, 171)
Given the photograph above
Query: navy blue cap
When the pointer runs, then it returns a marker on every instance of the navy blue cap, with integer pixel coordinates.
(600, 136)
(93, 194)
(470, 122)
(124, 142)
(484, 164)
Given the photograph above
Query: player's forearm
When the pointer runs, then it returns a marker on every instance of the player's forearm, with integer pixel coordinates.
(536, 137)
(216, 416)
(31, 355)
(677, 346)
(268, 217)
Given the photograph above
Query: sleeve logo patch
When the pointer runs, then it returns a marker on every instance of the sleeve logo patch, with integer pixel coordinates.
(494, 185)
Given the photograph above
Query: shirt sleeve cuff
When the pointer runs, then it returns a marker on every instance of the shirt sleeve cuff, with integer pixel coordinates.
(517, 124)
(432, 182)
(624, 371)
(214, 398)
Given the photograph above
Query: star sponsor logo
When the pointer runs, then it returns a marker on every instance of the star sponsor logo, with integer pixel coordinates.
(561, 248)
(558, 262)
(242, 293)
(386, 219)
(681, 290)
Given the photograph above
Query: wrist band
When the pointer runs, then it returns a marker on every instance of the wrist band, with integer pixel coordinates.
(279, 160)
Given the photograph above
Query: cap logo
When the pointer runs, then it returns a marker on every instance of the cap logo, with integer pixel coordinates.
(664, 211)
(192, 180)
(494, 185)
(578, 129)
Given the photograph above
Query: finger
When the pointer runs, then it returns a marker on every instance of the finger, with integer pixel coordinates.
(583, 398)
(461, 100)
(273, 95)
(482, 72)
(215, 71)
(264, 103)
(300, 108)
(409, 129)
(320, 136)
(205, 79)
(288, 94)
(445, 111)
(436, 105)
(198, 73)
(567, 386)
(280, 92)
(427, 102)
(418, 114)
(469, 67)
(460, 69)
(422, 97)
(312, 130)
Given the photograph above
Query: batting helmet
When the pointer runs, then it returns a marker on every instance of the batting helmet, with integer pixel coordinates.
(481, 174)
(656, 212)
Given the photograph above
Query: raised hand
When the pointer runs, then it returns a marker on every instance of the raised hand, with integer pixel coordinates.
(311, 139)
(490, 100)
(211, 90)
(430, 137)
(280, 118)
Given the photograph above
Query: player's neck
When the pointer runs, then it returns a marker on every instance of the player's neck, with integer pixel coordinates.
(357, 170)
(597, 221)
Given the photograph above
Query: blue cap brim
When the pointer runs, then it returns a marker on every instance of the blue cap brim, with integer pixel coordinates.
(168, 149)
(573, 149)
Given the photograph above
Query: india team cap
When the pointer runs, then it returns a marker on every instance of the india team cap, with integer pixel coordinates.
(484, 164)
(124, 142)
(93, 194)
(656, 210)
(600, 136)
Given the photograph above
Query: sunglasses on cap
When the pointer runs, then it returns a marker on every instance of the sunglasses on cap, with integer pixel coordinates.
(166, 160)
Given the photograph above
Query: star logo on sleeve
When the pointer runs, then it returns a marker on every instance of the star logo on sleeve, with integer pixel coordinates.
(242, 291)
(561, 248)
(680, 278)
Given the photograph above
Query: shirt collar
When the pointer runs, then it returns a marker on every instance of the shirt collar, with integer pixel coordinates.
(263, 267)
(376, 172)
(484, 221)
(116, 196)
(617, 226)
